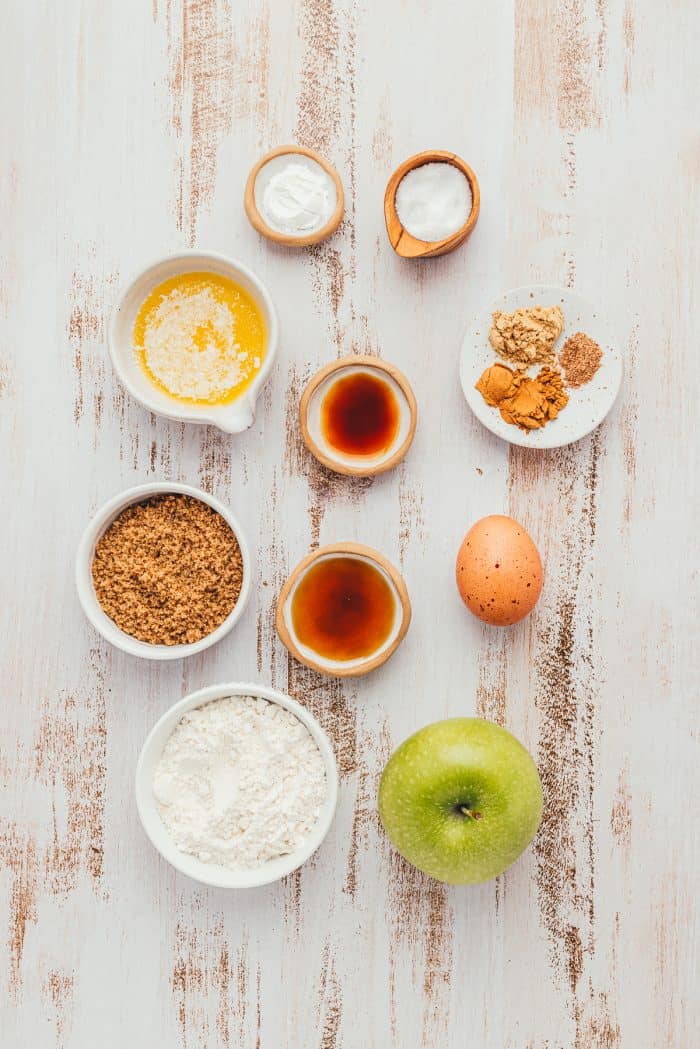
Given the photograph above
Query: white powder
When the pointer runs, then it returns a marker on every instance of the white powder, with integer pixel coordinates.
(189, 345)
(240, 781)
(295, 195)
(433, 201)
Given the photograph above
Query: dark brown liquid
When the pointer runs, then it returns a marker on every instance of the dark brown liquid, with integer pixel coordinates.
(360, 415)
(343, 608)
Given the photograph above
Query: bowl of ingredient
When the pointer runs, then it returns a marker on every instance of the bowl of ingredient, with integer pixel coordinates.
(163, 571)
(236, 785)
(193, 337)
(358, 416)
(344, 610)
(541, 368)
(431, 204)
(293, 196)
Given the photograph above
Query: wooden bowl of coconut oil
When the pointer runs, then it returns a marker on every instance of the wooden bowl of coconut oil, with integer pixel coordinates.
(294, 197)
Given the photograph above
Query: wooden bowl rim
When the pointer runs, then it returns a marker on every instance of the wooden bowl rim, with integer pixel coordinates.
(364, 361)
(405, 244)
(258, 222)
(372, 662)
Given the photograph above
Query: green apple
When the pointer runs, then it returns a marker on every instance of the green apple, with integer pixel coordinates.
(461, 799)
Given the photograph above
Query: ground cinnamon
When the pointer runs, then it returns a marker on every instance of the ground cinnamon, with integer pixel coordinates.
(522, 401)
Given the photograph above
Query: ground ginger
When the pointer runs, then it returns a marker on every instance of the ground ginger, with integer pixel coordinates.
(528, 335)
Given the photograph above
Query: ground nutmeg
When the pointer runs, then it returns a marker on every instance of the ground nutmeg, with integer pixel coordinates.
(168, 571)
(580, 358)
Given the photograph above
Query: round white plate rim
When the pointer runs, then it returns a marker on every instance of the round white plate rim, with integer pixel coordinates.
(550, 436)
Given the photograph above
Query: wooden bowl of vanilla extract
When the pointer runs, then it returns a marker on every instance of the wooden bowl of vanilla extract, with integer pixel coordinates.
(358, 416)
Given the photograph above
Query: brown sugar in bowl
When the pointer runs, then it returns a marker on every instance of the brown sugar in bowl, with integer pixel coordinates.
(355, 667)
(403, 242)
(94, 611)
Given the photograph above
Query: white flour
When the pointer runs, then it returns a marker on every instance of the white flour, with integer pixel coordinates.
(240, 781)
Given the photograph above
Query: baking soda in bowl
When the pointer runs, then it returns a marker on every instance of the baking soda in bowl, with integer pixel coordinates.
(433, 201)
(239, 782)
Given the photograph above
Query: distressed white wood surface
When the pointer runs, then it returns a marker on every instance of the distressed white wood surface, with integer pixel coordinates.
(127, 131)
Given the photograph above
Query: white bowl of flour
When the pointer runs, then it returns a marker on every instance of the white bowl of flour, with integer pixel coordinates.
(236, 785)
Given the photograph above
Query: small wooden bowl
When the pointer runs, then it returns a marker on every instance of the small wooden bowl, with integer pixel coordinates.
(408, 246)
(362, 466)
(336, 668)
(258, 222)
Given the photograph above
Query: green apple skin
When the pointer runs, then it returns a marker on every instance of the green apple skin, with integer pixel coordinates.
(461, 799)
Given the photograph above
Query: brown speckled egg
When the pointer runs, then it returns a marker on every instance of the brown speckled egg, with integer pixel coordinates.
(499, 572)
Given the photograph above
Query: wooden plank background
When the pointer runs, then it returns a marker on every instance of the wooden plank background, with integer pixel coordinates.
(128, 129)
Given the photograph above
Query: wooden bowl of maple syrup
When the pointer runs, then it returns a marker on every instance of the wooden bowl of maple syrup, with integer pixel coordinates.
(344, 610)
(358, 416)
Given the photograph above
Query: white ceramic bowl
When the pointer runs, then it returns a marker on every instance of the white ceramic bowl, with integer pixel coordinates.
(231, 418)
(212, 873)
(86, 591)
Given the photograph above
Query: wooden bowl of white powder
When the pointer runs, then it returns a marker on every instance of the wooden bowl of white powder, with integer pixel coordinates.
(236, 785)
(294, 197)
(431, 204)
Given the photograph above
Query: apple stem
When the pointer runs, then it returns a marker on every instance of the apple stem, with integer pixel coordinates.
(469, 812)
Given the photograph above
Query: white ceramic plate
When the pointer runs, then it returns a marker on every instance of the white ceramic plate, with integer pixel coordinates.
(213, 873)
(588, 405)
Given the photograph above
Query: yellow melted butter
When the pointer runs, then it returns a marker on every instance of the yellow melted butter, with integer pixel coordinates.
(249, 327)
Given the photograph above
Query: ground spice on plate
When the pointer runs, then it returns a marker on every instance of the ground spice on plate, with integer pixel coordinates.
(527, 336)
(580, 358)
(522, 401)
(168, 571)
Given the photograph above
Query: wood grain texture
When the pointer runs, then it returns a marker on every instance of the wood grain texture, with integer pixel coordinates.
(128, 130)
